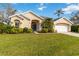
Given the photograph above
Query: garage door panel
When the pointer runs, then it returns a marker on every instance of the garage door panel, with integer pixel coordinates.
(61, 28)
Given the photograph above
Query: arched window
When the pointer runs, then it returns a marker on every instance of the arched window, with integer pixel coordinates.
(17, 23)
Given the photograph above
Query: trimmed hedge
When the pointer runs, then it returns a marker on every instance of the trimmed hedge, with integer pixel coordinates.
(75, 28)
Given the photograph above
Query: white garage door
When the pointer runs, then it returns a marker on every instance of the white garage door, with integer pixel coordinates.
(61, 28)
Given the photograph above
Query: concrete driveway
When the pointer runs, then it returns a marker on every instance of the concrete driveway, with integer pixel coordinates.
(72, 34)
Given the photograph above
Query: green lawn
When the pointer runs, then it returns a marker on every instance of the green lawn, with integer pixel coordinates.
(38, 45)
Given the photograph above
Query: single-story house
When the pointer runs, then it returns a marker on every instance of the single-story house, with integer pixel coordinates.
(30, 19)
(27, 19)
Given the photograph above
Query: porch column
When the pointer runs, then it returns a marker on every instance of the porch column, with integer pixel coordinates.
(40, 27)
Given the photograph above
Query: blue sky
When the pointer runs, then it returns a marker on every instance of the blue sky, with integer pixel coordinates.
(47, 9)
(40, 9)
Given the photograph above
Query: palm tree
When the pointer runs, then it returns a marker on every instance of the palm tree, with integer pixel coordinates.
(59, 12)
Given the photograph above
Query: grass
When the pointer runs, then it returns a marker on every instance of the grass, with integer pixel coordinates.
(38, 45)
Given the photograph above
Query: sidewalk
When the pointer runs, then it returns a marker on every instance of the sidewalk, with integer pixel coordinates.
(72, 34)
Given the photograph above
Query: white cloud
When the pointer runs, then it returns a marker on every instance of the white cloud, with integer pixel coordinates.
(42, 7)
(71, 8)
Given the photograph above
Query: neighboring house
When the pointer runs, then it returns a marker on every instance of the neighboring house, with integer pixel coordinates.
(62, 25)
(31, 20)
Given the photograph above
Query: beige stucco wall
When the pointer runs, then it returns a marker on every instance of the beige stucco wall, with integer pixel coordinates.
(62, 21)
(32, 17)
(26, 22)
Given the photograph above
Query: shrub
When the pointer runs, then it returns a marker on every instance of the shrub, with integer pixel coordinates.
(7, 29)
(1, 27)
(29, 31)
(20, 30)
(44, 30)
(14, 30)
(74, 28)
(78, 29)
(4, 28)
(51, 30)
(25, 29)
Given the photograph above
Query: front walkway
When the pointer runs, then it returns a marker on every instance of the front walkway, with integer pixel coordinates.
(72, 34)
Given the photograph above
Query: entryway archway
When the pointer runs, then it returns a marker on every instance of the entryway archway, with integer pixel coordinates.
(35, 25)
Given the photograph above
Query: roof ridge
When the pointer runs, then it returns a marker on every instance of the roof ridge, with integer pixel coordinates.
(65, 18)
(27, 12)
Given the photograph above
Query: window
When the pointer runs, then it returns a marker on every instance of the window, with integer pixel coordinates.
(17, 23)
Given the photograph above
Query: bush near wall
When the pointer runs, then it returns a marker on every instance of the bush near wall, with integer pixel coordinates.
(16, 30)
(12, 30)
(7, 29)
(51, 30)
(26, 30)
(29, 30)
(2, 27)
(44, 30)
(75, 28)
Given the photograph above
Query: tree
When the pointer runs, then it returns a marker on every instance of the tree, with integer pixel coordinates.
(48, 24)
(75, 18)
(8, 11)
(1, 16)
(59, 12)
